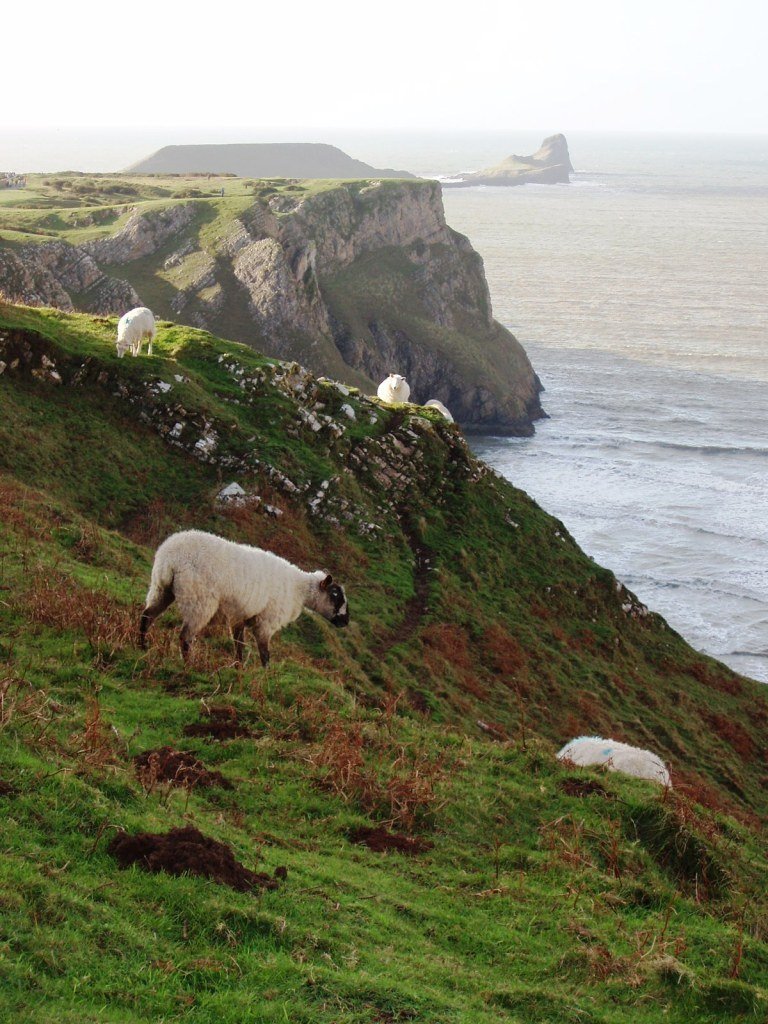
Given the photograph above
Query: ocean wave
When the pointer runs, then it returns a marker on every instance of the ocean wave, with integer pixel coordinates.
(711, 449)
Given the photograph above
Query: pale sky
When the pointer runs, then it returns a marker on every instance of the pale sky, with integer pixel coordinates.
(581, 65)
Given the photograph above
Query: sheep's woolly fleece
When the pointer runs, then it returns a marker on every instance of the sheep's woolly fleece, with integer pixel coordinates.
(133, 327)
(617, 756)
(434, 403)
(394, 389)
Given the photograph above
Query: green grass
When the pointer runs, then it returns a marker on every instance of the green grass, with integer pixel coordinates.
(77, 207)
(532, 905)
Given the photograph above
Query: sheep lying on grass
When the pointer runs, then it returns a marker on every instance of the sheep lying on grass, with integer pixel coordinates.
(133, 327)
(394, 389)
(206, 574)
(433, 403)
(618, 757)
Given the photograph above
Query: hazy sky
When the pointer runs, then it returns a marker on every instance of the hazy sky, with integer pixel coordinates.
(657, 65)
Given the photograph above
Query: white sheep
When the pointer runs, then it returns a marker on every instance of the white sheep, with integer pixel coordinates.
(433, 403)
(616, 756)
(206, 574)
(133, 327)
(394, 389)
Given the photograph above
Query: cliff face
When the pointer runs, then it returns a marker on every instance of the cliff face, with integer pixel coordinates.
(355, 281)
(58, 274)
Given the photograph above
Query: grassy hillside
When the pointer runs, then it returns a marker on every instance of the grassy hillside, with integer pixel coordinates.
(482, 638)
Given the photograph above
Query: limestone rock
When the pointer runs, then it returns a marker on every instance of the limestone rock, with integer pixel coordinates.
(44, 275)
(549, 165)
(143, 235)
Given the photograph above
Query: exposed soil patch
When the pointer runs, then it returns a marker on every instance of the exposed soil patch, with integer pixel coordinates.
(179, 767)
(186, 851)
(6, 789)
(584, 787)
(220, 723)
(380, 840)
(418, 701)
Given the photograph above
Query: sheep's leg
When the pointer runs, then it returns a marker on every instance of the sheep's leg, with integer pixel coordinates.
(185, 641)
(262, 638)
(149, 346)
(238, 633)
(151, 612)
(263, 646)
(196, 613)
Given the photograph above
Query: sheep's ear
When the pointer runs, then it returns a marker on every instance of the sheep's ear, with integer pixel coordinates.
(326, 582)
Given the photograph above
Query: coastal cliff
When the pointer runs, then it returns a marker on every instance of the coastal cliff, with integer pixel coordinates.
(353, 279)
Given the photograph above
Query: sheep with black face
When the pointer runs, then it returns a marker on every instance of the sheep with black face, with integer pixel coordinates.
(205, 575)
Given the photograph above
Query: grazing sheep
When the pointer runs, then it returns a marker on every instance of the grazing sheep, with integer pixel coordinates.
(206, 574)
(618, 757)
(433, 403)
(394, 389)
(134, 326)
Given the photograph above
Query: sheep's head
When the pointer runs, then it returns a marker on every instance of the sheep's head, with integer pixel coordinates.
(332, 601)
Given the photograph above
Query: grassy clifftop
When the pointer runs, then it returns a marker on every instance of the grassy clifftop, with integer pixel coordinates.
(482, 638)
(356, 278)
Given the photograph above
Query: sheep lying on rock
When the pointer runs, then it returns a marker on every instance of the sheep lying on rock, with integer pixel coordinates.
(618, 757)
(206, 574)
(133, 327)
(433, 403)
(394, 389)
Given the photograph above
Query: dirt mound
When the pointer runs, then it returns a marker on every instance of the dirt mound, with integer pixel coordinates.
(380, 840)
(178, 767)
(220, 723)
(584, 787)
(186, 851)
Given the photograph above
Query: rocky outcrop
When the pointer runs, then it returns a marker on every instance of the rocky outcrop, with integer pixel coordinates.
(354, 281)
(549, 165)
(145, 233)
(274, 279)
(61, 275)
(347, 223)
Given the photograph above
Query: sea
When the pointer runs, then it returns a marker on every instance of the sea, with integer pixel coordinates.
(640, 292)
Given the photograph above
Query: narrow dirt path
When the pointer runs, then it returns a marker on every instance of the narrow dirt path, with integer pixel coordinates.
(417, 606)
